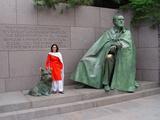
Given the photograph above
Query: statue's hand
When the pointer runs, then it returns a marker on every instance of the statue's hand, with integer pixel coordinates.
(112, 49)
(118, 44)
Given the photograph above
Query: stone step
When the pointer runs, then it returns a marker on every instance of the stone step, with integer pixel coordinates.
(73, 95)
(134, 109)
(147, 85)
(15, 101)
(76, 106)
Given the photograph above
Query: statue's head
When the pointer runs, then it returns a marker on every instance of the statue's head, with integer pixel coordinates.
(118, 21)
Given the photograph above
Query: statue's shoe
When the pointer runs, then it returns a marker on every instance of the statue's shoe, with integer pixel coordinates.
(107, 88)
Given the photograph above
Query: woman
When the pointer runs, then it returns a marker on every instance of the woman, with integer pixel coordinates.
(54, 62)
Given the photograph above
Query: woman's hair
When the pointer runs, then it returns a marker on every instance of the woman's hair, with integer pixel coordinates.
(56, 47)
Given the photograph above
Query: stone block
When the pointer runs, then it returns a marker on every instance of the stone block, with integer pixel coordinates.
(47, 111)
(91, 95)
(51, 17)
(26, 63)
(148, 85)
(147, 58)
(99, 32)
(148, 37)
(138, 75)
(150, 75)
(8, 11)
(21, 83)
(87, 16)
(106, 16)
(85, 50)
(8, 117)
(32, 37)
(87, 105)
(2, 85)
(70, 108)
(56, 100)
(71, 59)
(127, 17)
(4, 65)
(14, 107)
(26, 12)
(82, 38)
(30, 114)
(135, 37)
(12, 101)
(67, 80)
(105, 101)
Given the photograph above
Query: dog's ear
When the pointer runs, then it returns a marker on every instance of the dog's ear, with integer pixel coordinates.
(49, 72)
(42, 69)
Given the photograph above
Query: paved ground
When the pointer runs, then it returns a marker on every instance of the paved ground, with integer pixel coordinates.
(147, 108)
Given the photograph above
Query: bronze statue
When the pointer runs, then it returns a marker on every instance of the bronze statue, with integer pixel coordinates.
(110, 62)
(43, 87)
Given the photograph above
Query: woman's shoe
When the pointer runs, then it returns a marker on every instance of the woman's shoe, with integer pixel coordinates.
(54, 92)
(61, 92)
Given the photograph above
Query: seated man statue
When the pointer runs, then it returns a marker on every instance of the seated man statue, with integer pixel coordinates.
(43, 87)
(110, 62)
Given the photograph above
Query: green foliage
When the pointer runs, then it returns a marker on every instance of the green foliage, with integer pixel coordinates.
(44, 3)
(117, 1)
(114, 4)
(72, 3)
(144, 10)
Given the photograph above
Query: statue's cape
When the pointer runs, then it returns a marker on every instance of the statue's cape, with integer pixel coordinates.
(91, 68)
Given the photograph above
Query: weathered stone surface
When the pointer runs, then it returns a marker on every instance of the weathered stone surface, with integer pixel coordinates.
(52, 17)
(127, 16)
(70, 64)
(2, 85)
(27, 37)
(106, 17)
(82, 38)
(21, 83)
(8, 12)
(26, 12)
(4, 65)
(67, 80)
(87, 16)
(26, 63)
(148, 37)
(138, 75)
(150, 75)
(135, 36)
(147, 58)
(99, 32)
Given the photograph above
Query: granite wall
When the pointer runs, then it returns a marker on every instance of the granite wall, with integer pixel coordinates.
(147, 44)
(148, 54)
(27, 32)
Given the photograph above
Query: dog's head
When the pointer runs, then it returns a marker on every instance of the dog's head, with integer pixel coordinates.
(46, 75)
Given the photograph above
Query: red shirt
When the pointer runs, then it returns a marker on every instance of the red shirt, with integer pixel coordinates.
(56, 66)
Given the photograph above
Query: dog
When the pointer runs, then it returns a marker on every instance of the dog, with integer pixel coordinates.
(43, 87)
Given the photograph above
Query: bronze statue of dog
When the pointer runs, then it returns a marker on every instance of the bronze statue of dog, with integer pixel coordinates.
(43, 87)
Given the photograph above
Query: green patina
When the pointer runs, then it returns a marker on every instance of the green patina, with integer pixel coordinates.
(43, 87)
(117, 73)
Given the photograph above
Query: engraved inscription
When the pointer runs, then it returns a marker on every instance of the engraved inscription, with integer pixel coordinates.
(24, 37)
